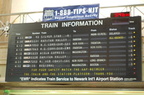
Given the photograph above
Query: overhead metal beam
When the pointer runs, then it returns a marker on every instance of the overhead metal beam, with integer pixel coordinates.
(11, 14)
(21, 13)
(122, 6)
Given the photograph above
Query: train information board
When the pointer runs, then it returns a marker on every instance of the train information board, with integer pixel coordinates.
(92, 50)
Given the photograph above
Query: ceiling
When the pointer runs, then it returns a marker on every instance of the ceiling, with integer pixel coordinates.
(38, 5)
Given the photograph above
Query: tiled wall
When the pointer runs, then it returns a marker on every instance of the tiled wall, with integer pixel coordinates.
(3, 57)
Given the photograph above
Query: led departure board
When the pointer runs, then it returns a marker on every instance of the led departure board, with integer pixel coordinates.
(93, 50)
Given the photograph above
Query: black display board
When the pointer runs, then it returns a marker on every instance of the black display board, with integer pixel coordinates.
(94, 50)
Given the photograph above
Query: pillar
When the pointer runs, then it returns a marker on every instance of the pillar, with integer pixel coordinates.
(5, 8)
